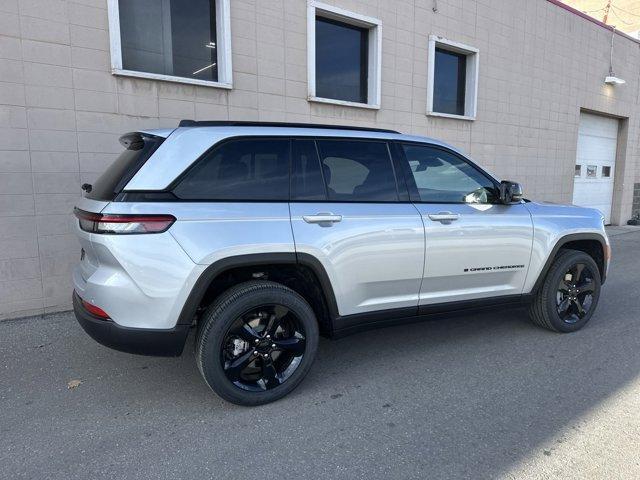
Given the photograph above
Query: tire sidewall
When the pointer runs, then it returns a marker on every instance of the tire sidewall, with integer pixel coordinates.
(551, 288)
(219, 319)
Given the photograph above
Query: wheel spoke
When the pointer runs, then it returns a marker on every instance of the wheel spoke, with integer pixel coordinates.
(246, 332)
(579, 308)
(564, 287)
(587, 287)
(563, 308)
(293, 345)
(272, 325)
(234, 368)
(269, 374)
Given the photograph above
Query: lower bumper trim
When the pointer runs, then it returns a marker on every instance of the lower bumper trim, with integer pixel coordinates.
(141, 341)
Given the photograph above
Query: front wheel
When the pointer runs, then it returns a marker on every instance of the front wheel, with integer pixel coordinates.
(256, 343)
(569, 295)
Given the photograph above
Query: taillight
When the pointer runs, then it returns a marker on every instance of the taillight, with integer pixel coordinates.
(93, 310)
(123, 223)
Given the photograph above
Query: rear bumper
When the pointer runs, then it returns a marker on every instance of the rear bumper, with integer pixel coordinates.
(142, 341)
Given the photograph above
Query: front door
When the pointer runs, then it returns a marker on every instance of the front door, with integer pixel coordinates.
(475, 246)
(345, 212)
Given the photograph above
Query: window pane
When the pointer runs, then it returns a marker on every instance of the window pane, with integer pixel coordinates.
(357, 171)
(578, 171)
(118, 174)
(170, 37)
(606, 172)
(306, 179)
(449, 82)
(592, 171)
(341, 61)
(442, 177)
(256, 169)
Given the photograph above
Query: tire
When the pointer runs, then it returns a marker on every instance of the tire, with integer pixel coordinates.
(241, 319)
(560, 289)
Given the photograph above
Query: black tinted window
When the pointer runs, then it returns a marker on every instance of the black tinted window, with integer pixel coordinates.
(117, 175)
(341, 61)
(244, 169)
(449, 82)
(306, 178)
(442, 177)
(171, 37)
(357, 171)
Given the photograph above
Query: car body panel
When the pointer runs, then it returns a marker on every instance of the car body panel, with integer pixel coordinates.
(373, 256)
(484, 253)
(552, 222)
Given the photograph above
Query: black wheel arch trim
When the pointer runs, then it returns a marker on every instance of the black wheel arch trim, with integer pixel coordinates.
(203, 282)
(572, 237)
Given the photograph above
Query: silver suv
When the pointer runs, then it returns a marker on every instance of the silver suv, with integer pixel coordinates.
(263, 236)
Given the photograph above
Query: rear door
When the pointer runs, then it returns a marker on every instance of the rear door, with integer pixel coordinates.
(476, 247)
(347, 212)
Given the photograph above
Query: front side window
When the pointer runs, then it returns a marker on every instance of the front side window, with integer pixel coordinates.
(241, 170)
(343, 56)
(357, 171)
(183, 40)
(442, 177)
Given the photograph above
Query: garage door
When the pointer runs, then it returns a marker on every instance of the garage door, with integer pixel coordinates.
(595, 163)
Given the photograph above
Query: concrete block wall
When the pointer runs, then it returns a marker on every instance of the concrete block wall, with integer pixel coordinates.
(62, 111)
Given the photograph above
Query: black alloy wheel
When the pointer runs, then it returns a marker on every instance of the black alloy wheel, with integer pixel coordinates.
(569, 294)
(263, 348)
(574, 298)
(256, 342)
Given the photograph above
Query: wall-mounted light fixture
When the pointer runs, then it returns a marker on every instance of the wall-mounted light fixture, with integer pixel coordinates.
(611, 79)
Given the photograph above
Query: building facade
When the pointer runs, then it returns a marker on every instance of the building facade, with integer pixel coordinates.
(517, 84)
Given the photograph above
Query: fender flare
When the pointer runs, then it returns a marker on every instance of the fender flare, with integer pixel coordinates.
(216, 268)
(572, 237)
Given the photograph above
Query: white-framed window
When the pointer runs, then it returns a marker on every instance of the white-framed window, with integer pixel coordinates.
(344, 54)
(452, 79)
(186, 41)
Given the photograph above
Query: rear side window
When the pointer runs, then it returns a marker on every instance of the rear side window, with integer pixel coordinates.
(139, 147)
(357, 171)
(243, 169)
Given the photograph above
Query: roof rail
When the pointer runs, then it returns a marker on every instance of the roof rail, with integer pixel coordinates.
(226, 123)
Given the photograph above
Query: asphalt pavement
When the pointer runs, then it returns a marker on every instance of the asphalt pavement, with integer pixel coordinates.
(484, 395)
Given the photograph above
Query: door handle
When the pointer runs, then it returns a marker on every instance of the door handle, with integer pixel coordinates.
(444, 217)
(327, 218)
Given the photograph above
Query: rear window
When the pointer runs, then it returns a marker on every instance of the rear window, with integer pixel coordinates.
(254, 169)
(139, 147)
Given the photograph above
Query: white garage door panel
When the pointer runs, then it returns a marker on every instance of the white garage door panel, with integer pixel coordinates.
(597, 143)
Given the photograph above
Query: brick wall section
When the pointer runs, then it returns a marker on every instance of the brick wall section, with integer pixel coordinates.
(61, 110)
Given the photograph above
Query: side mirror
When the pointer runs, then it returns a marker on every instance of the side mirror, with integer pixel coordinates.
(510, 192)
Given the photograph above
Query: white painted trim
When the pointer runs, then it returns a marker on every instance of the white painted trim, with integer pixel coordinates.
(169, 78)
(374, 73)
(223, 39)
(451, 115)
(471, 86)
(344, 103)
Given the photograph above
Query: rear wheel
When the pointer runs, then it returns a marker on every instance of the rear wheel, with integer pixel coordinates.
(256, 343)
(570, 292)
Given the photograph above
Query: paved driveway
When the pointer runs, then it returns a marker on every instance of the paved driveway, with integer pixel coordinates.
(481, 396)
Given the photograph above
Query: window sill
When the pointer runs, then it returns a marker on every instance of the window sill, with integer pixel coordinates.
(451, 115)
(344, 103)
(170, 78)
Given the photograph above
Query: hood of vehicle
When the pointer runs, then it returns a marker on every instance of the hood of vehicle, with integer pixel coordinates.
(563, 210)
